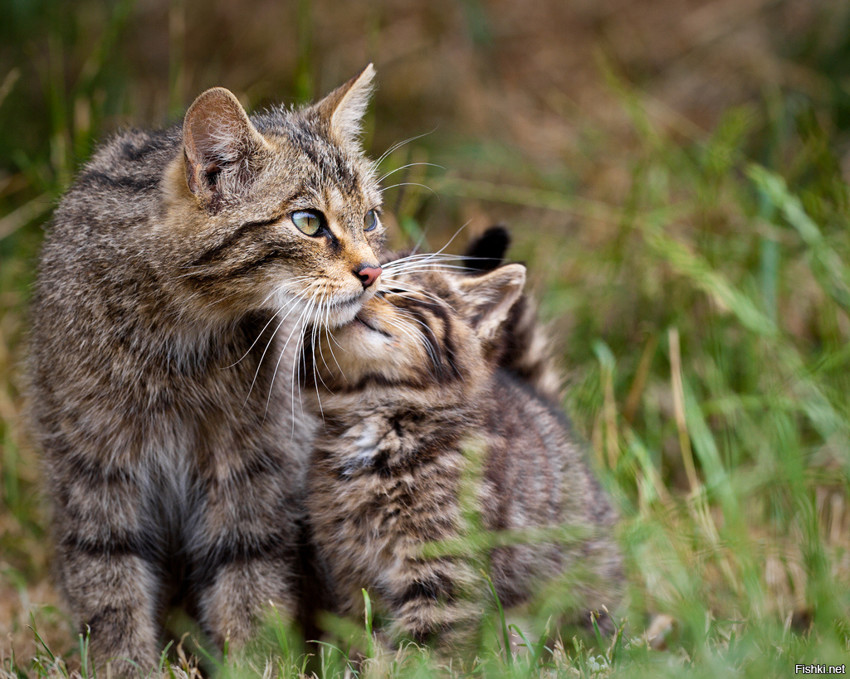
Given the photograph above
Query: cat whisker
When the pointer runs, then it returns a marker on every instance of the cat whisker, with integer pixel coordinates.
(299, 328)
(313, 344)
(399, 144)
(331, 338)
(440, 251)
(404, 167)
(407, 291)
(253, 344)
(437, 255)
(423, 255)
(263, 356)
(455, 235)
(321, 351)
(294, 305)
(421, 263)
(431, 266)
(330, 341)
(395, 186)
(322, 313)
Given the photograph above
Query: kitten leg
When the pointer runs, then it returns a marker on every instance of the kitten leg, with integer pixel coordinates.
(245, 558)
(106, 561)
(434, 600)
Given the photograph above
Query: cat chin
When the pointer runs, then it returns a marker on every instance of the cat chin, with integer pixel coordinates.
(341, 315)
(344, 312)
(328, 313)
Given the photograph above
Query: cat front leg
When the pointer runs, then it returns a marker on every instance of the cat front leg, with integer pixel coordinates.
(113, 599)
(246, 548)
(107, 561)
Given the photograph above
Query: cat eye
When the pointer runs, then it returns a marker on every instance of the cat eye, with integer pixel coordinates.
(308, 222)
(370, 221)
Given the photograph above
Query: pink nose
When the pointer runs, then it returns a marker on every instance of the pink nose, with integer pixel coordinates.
(368, 274)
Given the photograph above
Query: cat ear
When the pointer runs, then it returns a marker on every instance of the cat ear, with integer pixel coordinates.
(219, 144)
(345, 107)
(489, 297)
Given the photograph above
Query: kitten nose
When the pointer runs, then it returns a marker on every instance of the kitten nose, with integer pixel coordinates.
(368, 274)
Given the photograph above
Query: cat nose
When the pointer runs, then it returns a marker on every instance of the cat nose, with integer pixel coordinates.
(368, 274)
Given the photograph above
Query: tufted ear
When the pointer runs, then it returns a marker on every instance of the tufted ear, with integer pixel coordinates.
(345, 107)
(488, 298)
(221, 147)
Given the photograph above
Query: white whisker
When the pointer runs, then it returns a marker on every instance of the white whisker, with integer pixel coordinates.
(263, 355)
(399, 144)
(404, 167)
(395, 186)
(299, 326)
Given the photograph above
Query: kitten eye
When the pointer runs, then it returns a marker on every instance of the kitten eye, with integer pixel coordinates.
(308, 222)
(370, 221)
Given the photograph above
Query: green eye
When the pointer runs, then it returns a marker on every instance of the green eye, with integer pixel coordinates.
(370, 221)
(308, 222)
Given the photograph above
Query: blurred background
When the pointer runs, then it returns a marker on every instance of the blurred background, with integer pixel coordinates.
(674, 175)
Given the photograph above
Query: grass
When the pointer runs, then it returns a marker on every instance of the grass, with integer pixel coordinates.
(697, 280)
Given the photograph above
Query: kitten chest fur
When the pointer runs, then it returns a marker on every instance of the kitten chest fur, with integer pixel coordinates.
(383, 481)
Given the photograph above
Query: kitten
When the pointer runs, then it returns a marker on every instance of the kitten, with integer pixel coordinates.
(524, 344)
(408, 391)
(173, 287)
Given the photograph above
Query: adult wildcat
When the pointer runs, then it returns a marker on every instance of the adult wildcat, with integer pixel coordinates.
(173, 289)
(409, 390)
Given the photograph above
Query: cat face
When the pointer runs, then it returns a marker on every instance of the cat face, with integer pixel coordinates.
(428, 328)
(280, 211)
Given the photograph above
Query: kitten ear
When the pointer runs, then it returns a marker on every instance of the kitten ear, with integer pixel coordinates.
(345, 107)
(219, 144)
(490, 296)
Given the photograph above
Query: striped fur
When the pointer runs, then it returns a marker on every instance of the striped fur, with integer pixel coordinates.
(525, 344)
(408, 392)
(172, 288)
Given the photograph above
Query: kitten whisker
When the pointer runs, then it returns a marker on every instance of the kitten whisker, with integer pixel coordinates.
(423, 338)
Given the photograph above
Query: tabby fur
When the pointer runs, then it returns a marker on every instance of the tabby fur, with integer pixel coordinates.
(412, 394)
(172, 290)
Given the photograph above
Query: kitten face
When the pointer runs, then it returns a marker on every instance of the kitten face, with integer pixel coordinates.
(278, 212)
(429, 328)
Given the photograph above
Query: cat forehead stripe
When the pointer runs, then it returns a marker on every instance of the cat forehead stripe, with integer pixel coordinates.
(335, 167)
